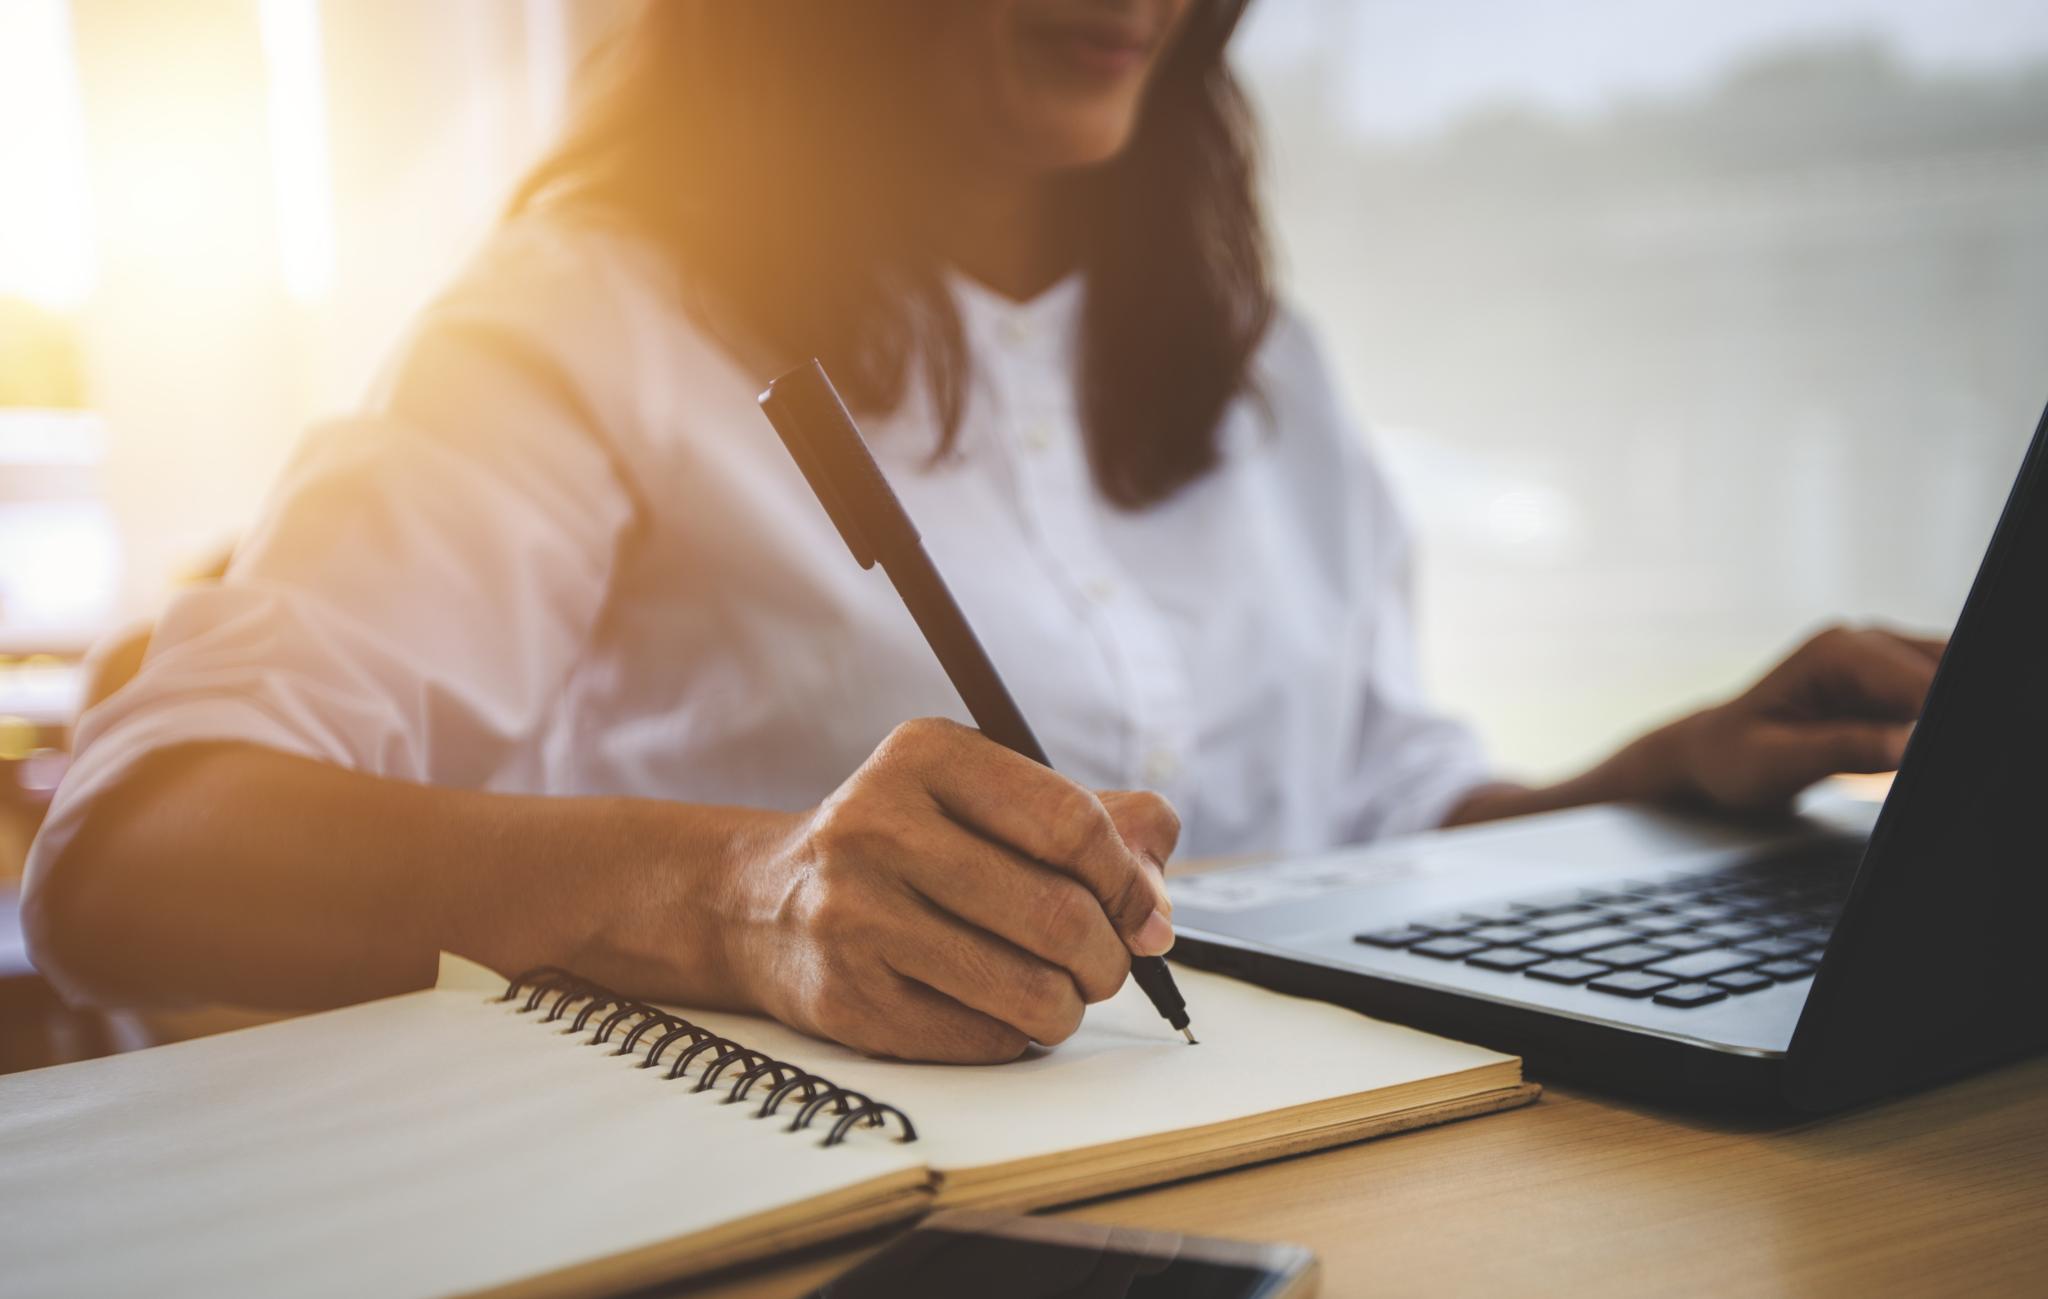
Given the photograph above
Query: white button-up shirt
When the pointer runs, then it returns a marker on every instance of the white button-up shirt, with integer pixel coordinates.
(564, 552)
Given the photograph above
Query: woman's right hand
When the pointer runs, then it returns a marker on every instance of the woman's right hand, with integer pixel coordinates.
(952, 901)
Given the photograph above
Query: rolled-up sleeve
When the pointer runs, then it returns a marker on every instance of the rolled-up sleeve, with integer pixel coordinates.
(424, 577)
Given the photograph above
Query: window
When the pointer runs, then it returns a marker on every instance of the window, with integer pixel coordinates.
(1683, 327)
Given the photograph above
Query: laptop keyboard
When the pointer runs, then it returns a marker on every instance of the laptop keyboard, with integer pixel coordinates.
(1687, 940)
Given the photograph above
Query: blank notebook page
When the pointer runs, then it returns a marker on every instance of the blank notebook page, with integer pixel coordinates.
(1127, 1075)
(423, 1144)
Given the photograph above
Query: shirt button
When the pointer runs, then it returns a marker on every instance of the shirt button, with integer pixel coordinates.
(1015, 331)
(1038, 436)
(1161, 766)
(1101, 590)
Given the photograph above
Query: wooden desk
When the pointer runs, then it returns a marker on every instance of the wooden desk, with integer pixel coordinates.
(1941, 1193)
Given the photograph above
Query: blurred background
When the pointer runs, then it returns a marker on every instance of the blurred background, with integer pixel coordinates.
(1684, 326)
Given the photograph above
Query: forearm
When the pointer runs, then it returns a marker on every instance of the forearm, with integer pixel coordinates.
(1645, 771)
(237, 874)
(1846, 700)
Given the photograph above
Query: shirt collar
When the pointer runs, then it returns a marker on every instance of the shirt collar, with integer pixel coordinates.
(1048, 317)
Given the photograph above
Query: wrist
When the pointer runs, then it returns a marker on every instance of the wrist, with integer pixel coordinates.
(740, 900)
(1660, 767)
(677, 914)
(1657, 767)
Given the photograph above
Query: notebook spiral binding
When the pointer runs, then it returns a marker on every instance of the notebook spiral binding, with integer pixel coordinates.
(559, 991)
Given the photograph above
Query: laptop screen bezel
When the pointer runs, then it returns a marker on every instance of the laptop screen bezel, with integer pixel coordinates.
(1848, 1046)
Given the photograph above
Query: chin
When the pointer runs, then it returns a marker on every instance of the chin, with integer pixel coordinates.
(1079, 156)
(1072, 145)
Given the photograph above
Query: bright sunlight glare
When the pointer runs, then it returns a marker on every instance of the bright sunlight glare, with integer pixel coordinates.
(298, 145)
(45, 231)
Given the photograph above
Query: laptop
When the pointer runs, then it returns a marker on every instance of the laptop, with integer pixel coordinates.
(1852, 952)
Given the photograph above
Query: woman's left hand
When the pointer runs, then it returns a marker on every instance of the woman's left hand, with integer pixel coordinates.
(1846, 700)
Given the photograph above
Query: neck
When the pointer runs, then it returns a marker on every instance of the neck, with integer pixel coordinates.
(1015, 237)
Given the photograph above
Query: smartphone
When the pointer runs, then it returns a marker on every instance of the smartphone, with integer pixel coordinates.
(999, 1256)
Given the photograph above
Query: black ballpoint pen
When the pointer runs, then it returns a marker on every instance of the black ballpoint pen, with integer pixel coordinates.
(822, 438)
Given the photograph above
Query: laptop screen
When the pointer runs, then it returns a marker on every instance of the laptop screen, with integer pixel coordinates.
(1934, 967)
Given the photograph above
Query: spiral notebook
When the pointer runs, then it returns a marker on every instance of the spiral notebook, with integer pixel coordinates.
(542, 1136)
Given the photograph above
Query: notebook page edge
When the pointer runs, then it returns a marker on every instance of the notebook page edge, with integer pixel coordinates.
(1308, 1126)
(1092, 1183)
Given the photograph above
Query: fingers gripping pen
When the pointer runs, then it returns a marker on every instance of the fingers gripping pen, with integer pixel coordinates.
(823, 440)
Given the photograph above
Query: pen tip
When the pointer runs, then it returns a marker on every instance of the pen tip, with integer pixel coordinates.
(1190, 1036)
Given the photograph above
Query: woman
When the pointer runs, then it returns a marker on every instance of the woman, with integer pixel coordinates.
(550, 657)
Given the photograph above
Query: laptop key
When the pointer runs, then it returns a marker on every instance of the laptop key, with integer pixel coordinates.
(1787, 971)
(1741, 981)
(1687, 995)
(1398, 936)
(1622, 915)
(1679, 944)
(1657, 926)
(1566, 971)
(1628, 955)
(1504, 934)
(1558, 922)
(1704, 965)
(1510, 959)
(1658, 905)
(1734, 931)
(1703, 913)
(1630, 983)
(1580, 940)
(1447, 948)
(1775, 948)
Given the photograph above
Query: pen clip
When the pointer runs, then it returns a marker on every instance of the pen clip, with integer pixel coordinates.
(813, 422)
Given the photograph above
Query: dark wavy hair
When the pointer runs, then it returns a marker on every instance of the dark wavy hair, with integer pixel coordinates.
(770, 149)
